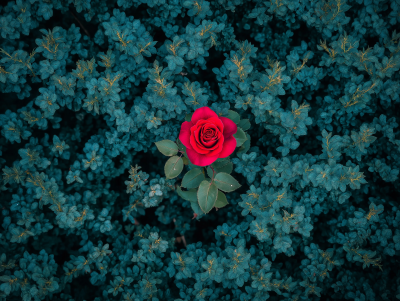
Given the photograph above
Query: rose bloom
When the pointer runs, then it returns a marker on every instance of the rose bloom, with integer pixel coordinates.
(208, 137)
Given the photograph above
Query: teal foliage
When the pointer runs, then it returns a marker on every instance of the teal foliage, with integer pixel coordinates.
(87, 88)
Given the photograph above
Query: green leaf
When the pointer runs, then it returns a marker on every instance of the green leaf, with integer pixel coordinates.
(232, 115)
(173, 167)
(207, 195)
(223, 165)
(244, 124)
(226, 182)
(182, 148)
(221, 200)
(196, 208)
(192, 166)
(188, 117)
(193, 178)
(220, 160)
(209, 172)
(245, 147)
(190, 195)
(180, 145)
(240, 137)
(167, 147)
(185, 160)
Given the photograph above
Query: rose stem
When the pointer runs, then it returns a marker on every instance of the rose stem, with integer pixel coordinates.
(213, 174)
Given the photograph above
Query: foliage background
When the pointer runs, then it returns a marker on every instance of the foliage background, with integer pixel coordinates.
(84, 98)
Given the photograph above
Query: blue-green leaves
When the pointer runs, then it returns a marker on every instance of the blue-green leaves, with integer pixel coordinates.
(238, 263)
(93, 160)
(13, 175)
(331, 146)
(213, 268)
(143, 49)
(317, 154)
(260, 230)
(272, 82)
(195, 95)
(183, 264)
(64, 84)
(58, 145)
(9, 284)
(360, 141)
(176, 50)
(357, 97)
(198, 10)
(29, 157)
(155, 243)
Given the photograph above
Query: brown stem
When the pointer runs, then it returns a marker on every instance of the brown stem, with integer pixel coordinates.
(183, 240)
(213, 173)
(80, 24)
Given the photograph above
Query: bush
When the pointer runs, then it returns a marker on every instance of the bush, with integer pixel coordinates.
(89, 87)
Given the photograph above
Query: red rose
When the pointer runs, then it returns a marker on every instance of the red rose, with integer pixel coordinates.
(208, 137)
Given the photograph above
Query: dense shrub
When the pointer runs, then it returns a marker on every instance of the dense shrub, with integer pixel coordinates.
(88, 87)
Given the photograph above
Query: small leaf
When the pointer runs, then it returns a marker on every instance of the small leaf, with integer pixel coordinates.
(173, 167)
(190, 195)
(188, 117)
(192, 166)
(221, 200)
(185, 160)
(244, 124)
(193, 178)
(226, 182)
(167, 147)
(245, 147)
(240, 137)
(180, 145)
(207, 195)
(209, 172)
(232, 115)
(196, 208)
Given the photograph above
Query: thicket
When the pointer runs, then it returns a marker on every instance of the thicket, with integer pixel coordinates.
(88, 87)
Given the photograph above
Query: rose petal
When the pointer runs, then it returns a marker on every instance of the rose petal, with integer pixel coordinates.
(184, 134)
(200, 122)
(211, 143)
(196, 141)
(208, 132)
(199, 159)
(197, 134)
(197, 146)
(217, 122)
(228, 148)
(230, 127)
(218, 147)
(203, 113)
